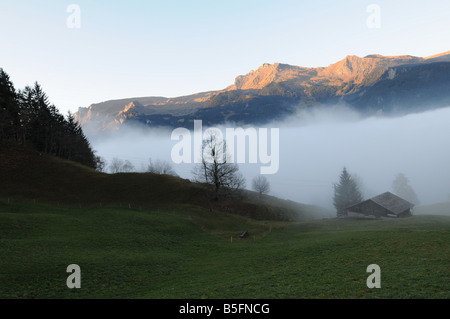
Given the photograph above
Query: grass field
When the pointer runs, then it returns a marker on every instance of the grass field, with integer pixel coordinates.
(187, 252)
(141, 235)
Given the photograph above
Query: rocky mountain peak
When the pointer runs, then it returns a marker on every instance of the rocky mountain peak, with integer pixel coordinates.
(269, 73)
(368, 82)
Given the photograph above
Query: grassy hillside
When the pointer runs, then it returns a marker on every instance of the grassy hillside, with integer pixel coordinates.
(151, 236)
(127, 253)
(31, 176)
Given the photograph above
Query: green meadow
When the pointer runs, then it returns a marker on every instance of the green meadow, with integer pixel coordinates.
(141, 235)
(191, 252)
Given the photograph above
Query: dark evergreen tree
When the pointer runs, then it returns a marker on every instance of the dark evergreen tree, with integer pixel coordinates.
(33, 105)
(346, 193)
(28, 118)
(9, 109)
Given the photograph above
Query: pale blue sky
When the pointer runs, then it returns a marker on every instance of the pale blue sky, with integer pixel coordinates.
(172, 48)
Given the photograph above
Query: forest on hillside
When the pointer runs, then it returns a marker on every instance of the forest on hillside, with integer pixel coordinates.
(27, 118)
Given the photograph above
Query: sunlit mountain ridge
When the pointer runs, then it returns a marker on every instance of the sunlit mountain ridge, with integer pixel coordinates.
(374, 83)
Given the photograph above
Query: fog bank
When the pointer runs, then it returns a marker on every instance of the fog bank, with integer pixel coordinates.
(315, 146)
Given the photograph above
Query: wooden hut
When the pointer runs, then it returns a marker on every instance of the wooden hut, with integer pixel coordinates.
(384, 205)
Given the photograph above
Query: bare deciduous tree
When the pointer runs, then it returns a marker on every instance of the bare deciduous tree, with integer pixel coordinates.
(216, 168)
(160, 167)
(101, 164)
(261, 185)
(127, 166)
(402, 188)
(118, 166)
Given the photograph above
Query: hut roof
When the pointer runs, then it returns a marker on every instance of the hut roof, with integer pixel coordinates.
(389, 201)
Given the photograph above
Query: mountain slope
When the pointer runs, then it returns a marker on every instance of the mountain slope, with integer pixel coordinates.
(29, 175)
(274, 91)
(406, 88)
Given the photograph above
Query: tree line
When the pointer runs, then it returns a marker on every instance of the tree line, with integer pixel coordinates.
(348, 191)
(27, 118)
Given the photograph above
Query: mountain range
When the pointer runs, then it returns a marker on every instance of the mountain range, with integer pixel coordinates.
(371, 84)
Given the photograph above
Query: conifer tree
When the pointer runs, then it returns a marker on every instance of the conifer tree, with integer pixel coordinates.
(28, 118)
(346, 193)
(9, 109)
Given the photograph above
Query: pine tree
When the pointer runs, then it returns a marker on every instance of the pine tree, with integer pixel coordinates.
(28, 118)
(346, 193)
(9, 109)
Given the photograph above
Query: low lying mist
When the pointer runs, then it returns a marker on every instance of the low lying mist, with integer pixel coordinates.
(315, 145)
